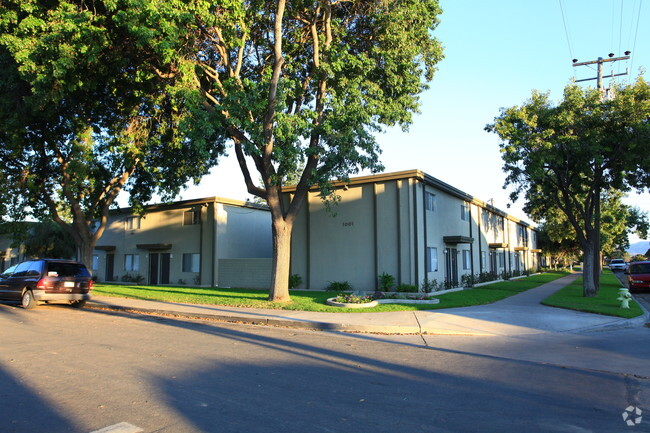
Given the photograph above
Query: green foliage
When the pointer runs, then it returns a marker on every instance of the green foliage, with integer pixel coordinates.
(406, 288)
(353, 299)
(429, 286)
(386, 282)
(86, 114)
(638, 258)
(294, 281)
(565, 158)
(135, 278)
(47, 239)
(339, 286)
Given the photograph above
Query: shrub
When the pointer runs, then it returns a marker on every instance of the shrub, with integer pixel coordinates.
(430, 286)
(294, 281)
(339, 286)
(407, 288)
(353, 299)
(136, 278)
(467, 280)
(386, 282)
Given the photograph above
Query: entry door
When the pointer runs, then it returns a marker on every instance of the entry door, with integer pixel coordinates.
(159, 268)
(493, 262)
(110, 267)
(451, 265)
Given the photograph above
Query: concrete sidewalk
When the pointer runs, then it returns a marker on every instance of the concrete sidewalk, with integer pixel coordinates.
(520, 314)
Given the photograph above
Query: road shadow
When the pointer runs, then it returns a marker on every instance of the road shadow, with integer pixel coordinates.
(23, 411)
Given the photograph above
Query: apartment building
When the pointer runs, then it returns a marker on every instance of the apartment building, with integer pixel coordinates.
(410, 225)
(205, 242)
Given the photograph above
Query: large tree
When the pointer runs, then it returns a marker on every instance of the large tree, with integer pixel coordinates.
(566, 155)
(86, 114)
(307, 83)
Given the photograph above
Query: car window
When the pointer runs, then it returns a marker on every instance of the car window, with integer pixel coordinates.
(640, 268)
(10, 270)
(35, 269)
(63, 269)
(22, 268)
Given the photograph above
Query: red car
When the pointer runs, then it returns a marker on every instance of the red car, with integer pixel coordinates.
(638, 275)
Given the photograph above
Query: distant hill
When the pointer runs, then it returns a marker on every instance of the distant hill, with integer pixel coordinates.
(639, 247)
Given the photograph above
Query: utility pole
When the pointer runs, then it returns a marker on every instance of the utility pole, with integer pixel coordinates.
(599, 68)
(598, 261)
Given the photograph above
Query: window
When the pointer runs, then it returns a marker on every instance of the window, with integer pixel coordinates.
(191, 217)
(131, 262)
(467, 260)
(191, 262)
(483, 259)
(133, 223)
(501, 259)
(464, 212)
(432, 259)
(430, 201)
(95, 263)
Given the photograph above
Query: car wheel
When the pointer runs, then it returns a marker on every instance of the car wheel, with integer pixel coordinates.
(28, 300)
(78, 304)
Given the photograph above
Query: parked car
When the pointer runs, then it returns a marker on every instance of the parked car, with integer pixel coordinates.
(617, 265)
(46, 280)
(638, 275)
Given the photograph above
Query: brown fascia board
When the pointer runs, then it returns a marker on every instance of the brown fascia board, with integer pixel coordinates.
(193, 203)
(422, 177)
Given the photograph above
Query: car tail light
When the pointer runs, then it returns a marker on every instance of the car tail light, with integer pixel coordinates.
(91, 284)
(41, 284)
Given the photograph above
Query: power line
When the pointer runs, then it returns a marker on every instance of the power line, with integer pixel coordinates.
(638, 19)
(566, 30)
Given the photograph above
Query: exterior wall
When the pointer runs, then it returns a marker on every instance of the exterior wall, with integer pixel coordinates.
(382, 224)
(164, 240)
(8, 256)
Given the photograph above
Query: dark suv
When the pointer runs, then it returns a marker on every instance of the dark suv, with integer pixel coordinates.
(46, 280)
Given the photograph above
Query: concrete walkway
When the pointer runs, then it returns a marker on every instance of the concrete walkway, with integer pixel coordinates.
(520, 314)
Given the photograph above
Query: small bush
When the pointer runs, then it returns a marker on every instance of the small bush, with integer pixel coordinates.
(339, 286)
(407, 288)
(386, 282)
(294, 281)
(353, 299)
(136, 278)
(430, 286)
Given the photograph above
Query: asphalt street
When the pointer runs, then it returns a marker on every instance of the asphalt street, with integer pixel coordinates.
(65, 370)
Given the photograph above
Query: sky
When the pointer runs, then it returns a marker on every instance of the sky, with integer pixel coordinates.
(496, 53)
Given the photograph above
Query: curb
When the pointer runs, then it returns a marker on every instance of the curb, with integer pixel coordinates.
(281, 323)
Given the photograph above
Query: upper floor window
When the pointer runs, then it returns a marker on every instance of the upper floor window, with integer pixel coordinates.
(191, 217)
(430, 199)
(133, 223)
(486, 218)
(464, 211)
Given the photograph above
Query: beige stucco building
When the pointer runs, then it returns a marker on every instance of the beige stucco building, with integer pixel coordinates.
(206, 242)
(410, 225)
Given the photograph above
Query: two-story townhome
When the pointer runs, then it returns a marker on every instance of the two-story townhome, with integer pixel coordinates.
(206, 242)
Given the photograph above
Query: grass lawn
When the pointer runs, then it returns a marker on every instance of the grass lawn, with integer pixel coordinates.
(306, 300)
(603, 303)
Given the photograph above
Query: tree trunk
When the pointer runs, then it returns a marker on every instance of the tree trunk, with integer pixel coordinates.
(279, 291)
(588, 283)
(596, 236)
(85, 254)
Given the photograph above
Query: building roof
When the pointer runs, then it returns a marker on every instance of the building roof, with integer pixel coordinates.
(196, 202)
(426, 179)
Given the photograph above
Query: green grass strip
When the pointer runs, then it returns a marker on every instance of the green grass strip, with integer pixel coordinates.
(571, 297)
(304, 300)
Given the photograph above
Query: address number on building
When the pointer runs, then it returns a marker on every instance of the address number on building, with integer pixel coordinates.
(348, 224)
